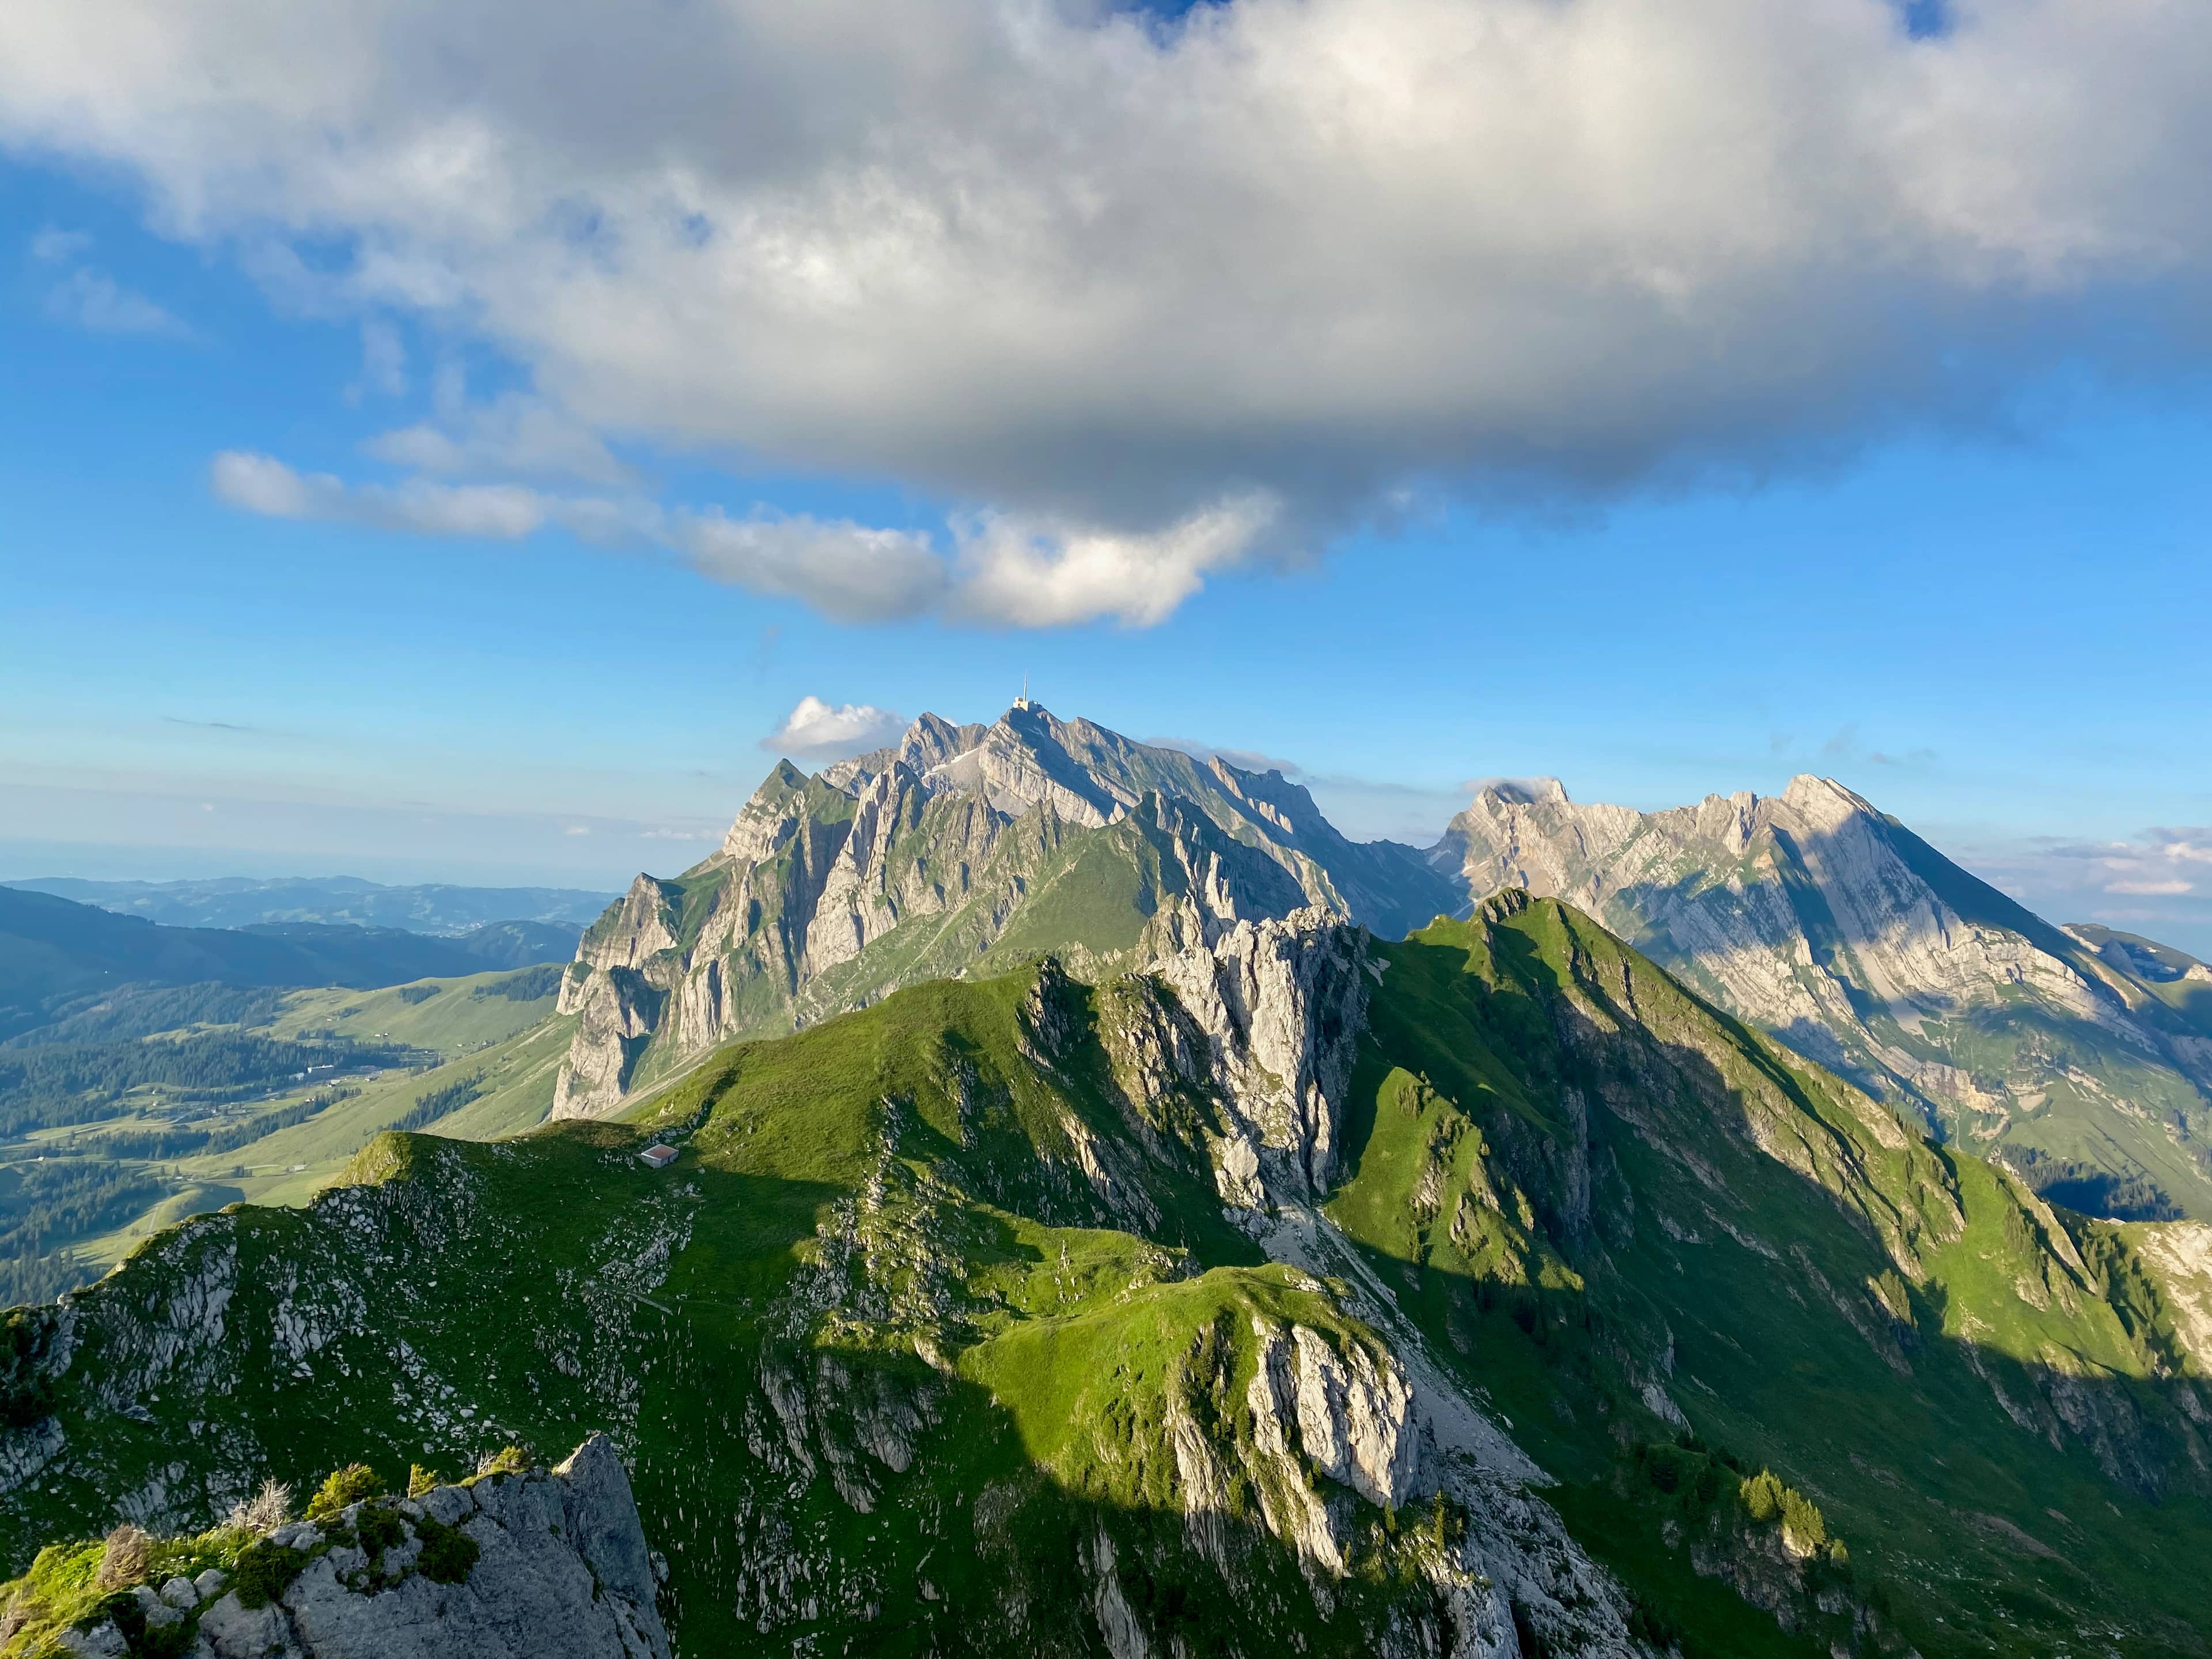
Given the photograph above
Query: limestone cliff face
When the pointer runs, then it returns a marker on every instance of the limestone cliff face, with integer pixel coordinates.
(1321, 1404)
(1277, 1008)
(2178, 1256)
(1815, 917)
(558, 1569)
(918, 861)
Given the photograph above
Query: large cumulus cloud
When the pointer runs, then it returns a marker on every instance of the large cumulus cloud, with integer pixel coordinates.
(1143, 299)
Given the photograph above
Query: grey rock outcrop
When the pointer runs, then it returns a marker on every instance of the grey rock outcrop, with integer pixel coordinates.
(1354, 1410)
(1277, 1007)
(1345, 1408)
(560, 1571)
(948, 841)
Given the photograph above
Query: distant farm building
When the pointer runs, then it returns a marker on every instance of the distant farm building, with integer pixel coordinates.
(659, 1156)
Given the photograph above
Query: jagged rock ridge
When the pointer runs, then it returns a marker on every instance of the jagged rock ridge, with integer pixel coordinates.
(963, 846)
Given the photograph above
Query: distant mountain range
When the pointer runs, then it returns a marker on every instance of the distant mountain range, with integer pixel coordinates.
(53, 952)
(348, 900)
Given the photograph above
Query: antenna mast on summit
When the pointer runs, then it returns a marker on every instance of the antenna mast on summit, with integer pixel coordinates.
(1023, 702)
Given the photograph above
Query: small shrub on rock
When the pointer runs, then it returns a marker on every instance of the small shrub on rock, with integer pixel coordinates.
(263, 1571)
(507, 1460)
(1804, 1529)
(422, 1481)
(128, 1558)
(449, 1554)
(263, 1513)
(341, 1487)
(1762, 1496)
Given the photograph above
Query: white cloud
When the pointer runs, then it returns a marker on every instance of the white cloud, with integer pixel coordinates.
(514, 435)
(814, 729)
(383, 358)
(1001, 571)
(1039, 574)
(2156, 864)
(501, 512)
(845, 570)
(1075, 264)
(51, 245)
(1143, 298)
(93, 301)
(262, 484)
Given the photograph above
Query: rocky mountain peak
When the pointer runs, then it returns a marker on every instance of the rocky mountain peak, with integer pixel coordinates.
(931, 740)
(1523, 792)
(763, 820)
(1029, 758)
(946, 839)
(1835, 929)
(1823, 803)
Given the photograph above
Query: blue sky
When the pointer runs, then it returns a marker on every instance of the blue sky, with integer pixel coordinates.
(1976, 592)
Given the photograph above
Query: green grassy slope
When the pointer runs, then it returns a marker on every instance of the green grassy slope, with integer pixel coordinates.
(886, 1366)
(936, 1339)
(1982, 1394)
(452, 1016)
(495, 1032)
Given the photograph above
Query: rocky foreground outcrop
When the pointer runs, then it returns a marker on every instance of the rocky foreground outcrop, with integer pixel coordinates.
(550, 1563)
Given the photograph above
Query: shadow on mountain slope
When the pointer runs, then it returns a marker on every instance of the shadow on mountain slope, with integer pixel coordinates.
(1655, 1221)
(1865, 950)
(864, 1405)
